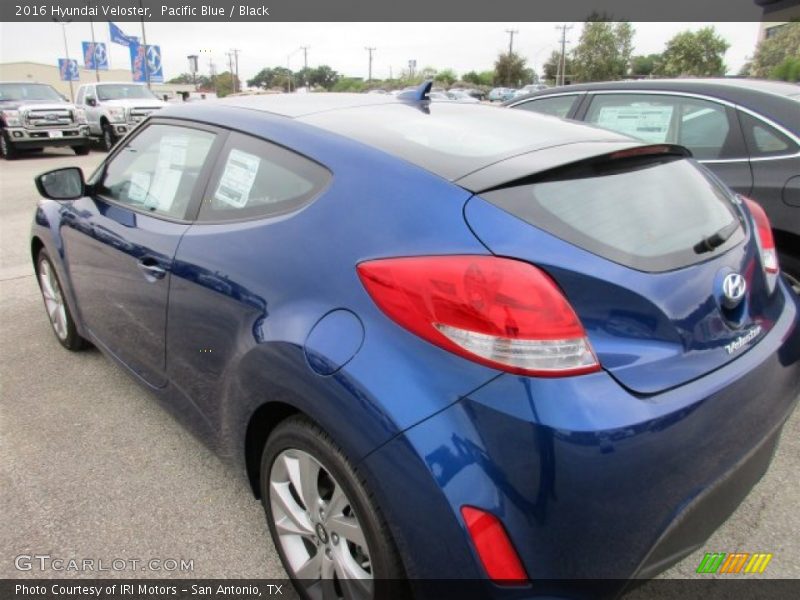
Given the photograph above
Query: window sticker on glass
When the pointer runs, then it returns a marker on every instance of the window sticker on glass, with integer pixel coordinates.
(139, 187)
(169, 165)
(648, 123)
(237, 178)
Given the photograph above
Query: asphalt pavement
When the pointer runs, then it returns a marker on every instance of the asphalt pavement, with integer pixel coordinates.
(92, 468)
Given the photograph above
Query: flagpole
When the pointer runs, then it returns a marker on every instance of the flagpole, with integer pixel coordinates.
(94, 51)
(144, 41)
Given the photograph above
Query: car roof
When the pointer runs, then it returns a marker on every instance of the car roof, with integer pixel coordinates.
(450, 139)
(775, 100)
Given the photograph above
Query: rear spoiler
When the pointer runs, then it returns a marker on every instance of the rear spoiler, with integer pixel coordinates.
(526, 168)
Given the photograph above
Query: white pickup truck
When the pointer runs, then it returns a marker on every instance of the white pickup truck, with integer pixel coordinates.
(115, 108)
(35, 116)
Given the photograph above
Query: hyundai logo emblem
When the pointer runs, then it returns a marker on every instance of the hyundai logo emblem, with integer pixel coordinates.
(733, 288)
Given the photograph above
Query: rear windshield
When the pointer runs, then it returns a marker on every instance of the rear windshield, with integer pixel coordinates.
(648, 214)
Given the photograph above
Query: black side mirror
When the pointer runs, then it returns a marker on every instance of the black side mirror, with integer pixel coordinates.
(62, 184)
(91, 101)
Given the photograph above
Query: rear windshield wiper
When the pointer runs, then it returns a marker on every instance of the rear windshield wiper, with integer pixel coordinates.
(716, 239)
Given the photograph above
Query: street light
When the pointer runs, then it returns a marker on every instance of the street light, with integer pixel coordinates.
(193, 69)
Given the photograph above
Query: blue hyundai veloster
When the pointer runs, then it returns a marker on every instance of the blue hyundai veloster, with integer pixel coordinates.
(444, 341)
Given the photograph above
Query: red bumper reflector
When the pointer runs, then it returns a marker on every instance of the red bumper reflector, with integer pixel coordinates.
(497, 554)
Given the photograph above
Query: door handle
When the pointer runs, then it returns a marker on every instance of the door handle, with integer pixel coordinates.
(150, 267)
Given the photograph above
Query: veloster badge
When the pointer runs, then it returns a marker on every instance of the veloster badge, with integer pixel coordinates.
(743, 340)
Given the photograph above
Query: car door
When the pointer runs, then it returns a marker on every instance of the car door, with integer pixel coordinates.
(227, 265)
(775, 162)
(92, 112)
(708, 128)
(120, 240)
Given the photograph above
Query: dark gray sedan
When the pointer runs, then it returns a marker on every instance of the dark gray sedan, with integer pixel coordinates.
(746, 131)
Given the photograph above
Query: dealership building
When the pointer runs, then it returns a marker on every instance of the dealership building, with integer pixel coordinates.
(43, 73)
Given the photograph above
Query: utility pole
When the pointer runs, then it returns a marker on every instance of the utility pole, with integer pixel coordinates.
(511, 33)
(305, 65)
(370, 50)
(94, 50)
(144, 41)
(562, 64)
(66, 55)
(230, 70)
(235, 69)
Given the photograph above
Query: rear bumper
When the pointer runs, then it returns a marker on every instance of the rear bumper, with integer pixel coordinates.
(590, 481)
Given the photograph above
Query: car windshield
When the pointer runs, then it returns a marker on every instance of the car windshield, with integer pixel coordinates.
(122, 91)
(10, 92)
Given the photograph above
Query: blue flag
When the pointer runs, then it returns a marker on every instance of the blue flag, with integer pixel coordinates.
(117, 36)
(146, 62)
(95, 56)
(68, 69)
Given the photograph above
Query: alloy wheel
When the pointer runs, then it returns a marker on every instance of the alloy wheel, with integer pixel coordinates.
(53, 299)
(318, 530)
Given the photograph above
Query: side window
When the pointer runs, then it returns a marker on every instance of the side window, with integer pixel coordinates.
(700, 125)
(704, 129)
(764, 140)
(79, 97)
(158, 169)
(558, 106)
(254, 178)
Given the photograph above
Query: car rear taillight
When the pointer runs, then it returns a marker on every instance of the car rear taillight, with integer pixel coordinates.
(503, 313)
(495, 551)
(765, 241)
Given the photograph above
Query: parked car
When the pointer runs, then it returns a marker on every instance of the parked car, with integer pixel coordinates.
(34, 116)
(476, 93)
(500, 94)
(529, 89)
(462, 96)
(443, 341)
(114, 109)
(746, 131)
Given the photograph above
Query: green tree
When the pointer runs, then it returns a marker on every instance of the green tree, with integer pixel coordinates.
(203, 82)
(773, 51)
(264, 79)
(698, 53)
(447, 77)
(604, 50)
(224, 83)
(644, 65)
(324, 76)
(349, 84)
(550, 67)
(510, 70)
(788, 70)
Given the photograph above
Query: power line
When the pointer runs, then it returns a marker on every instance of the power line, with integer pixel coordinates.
(370, 50)
(511, 33)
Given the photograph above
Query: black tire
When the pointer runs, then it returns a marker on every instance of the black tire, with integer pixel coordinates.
(790, 266)
(107, 139)
(7, 148)
(300, 433)
(69, 337)
(81, 150)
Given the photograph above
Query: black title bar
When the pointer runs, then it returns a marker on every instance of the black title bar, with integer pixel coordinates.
(392, 10)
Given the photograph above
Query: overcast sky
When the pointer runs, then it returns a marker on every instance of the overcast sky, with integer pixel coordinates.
(461, 46)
